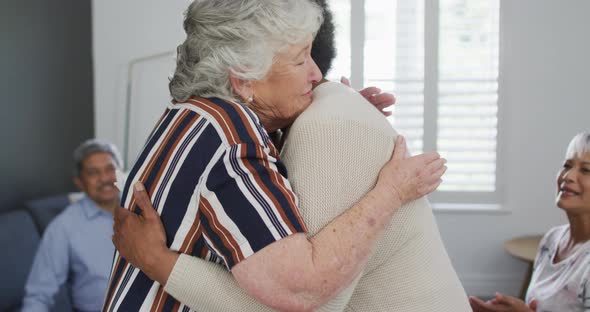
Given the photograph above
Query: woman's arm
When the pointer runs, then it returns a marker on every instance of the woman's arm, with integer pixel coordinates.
(300, 273)
(320, 198)
(199, 284)
(203, 285)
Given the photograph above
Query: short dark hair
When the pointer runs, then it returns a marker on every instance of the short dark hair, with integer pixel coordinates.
(323, 51)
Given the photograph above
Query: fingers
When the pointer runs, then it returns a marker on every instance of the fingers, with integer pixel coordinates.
(478, 305)
(502, 299)
(428, 157)
(345, 81)
(533, 305)
(143, 201)
(431, 176)
(399, 151)
(509, 301)
(120, 214)
(436, 168)
(370, 92)
(382, 100)
(121, 217)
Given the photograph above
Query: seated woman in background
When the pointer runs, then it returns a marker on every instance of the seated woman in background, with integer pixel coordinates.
(561, 275)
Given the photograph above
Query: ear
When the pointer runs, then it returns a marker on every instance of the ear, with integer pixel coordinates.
(78, 182)
(241, 87)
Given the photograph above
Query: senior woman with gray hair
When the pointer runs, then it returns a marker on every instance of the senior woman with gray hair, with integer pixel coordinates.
(217, 181)
(561, 273)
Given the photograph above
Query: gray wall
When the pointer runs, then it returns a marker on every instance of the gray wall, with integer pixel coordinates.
(47, 95)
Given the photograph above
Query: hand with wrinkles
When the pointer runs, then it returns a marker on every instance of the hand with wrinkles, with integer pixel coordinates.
(141, 239)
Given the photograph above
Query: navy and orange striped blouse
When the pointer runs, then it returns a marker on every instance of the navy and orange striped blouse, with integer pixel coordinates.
(220, 188)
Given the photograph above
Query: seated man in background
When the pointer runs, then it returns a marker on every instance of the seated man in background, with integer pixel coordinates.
(76, 248)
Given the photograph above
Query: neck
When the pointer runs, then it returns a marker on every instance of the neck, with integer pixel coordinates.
(269, 126)
(108, 206)
(579, 228)
(269, 123)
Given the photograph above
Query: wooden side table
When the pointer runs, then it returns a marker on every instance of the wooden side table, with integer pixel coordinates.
(525, 249)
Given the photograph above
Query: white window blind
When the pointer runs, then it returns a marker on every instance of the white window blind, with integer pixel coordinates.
(440, 59)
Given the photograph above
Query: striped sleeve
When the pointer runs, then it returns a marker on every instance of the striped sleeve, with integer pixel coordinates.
(247, 203)
(169, 166)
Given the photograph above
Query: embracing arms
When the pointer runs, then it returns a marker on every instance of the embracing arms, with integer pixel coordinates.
(297, 272)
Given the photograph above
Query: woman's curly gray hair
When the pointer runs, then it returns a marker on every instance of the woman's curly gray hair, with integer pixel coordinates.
(237, 36)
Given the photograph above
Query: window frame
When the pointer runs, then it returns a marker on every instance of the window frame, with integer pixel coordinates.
(491, 200)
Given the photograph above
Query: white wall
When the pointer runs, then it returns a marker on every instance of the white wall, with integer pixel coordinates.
(124, 31)
(544, 78)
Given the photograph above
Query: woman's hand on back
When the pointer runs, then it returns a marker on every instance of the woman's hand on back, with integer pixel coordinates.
(141, 239)
(405, 178)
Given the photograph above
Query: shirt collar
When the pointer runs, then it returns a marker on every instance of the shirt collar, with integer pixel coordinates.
(91, 209)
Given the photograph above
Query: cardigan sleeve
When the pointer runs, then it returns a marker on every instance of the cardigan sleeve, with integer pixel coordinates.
(332, 163)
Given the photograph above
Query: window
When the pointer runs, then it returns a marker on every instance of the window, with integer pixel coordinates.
(440, 59)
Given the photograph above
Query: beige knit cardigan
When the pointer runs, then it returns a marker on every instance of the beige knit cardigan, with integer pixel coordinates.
(334, 152)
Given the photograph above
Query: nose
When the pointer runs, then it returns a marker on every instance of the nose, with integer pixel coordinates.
(107, 176)
(569, 175)
(314, 73)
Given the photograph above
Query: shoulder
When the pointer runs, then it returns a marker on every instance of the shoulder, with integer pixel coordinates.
(339, 121)
(71, 216)
(338, 105)
(555, 234)
(549, 242)
(234, 123)
(72, 213)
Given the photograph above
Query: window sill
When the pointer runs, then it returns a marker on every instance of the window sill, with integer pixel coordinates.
(462, 208)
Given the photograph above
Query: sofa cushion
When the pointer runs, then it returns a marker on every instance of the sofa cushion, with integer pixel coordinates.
(18, 241)
(45, 209)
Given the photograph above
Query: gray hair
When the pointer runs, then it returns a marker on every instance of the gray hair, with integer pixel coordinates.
(92, 146)
(237, 36)
(579, 145)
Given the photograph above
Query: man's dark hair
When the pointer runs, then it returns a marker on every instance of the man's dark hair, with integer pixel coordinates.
(323, 51)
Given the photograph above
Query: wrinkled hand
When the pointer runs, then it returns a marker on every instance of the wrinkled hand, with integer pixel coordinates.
(405, 178)
(502, 303)
(141, 239)
(381, 100)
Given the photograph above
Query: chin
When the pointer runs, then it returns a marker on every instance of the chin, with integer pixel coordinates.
(574, 208)
(562, 203)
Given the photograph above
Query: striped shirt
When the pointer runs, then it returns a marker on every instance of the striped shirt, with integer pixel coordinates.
(222, 193)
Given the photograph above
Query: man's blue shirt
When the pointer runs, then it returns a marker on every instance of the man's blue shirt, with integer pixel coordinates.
(75, 249)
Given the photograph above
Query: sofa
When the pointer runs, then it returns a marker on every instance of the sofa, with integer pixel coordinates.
(20, 234)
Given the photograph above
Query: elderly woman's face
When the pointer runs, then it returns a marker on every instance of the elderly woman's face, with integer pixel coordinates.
(573, 185)
(286, 91)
